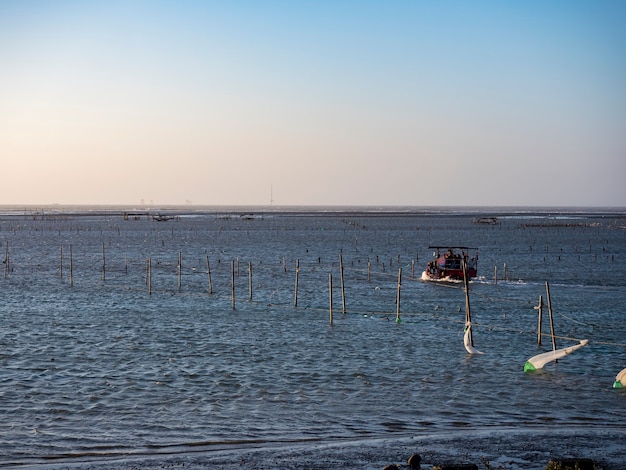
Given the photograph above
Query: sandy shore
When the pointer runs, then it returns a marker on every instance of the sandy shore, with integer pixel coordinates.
(510, 449)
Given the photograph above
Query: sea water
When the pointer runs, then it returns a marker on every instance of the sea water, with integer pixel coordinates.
(120, 333)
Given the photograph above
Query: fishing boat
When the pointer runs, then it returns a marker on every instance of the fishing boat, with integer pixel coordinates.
(448, 263)
(162, 218)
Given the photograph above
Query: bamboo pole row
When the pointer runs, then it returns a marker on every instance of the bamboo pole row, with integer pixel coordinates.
(234, 271)
(235, 268)
(8, 269)
(179, 270)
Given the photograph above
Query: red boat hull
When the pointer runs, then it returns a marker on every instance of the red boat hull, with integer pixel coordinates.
(453, 274)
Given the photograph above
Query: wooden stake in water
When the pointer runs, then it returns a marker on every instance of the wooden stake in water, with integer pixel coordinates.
(398, 295)
(468, 312)
(343, 292)
(550, 315)
(295, 294)
(71, 269)
(6, 259)
(540, 308)
(249, 280)
(330, 296)
(369, 269)
(61, 263)
(232, 283)
(208, 270)
(149, 275)
(103, 263)
(180, 269)
(495, 275)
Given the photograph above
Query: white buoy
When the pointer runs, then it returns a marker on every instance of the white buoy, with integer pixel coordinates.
(540, 360)
(620, 380)
(467, 340)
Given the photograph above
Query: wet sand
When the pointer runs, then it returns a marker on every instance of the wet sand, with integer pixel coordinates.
(502, 449)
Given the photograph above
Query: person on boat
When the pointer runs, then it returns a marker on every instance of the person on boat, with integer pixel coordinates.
(431, 267)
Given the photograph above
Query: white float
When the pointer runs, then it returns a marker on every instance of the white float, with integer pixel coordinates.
(540, 360)
(620, 380)
(467, 342)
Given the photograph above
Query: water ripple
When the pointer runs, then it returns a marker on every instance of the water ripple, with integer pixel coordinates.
(105, 367)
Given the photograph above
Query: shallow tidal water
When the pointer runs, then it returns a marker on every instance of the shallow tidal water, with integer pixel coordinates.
(104, 359)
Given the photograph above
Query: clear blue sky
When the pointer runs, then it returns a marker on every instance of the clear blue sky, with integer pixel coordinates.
(316, 102)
